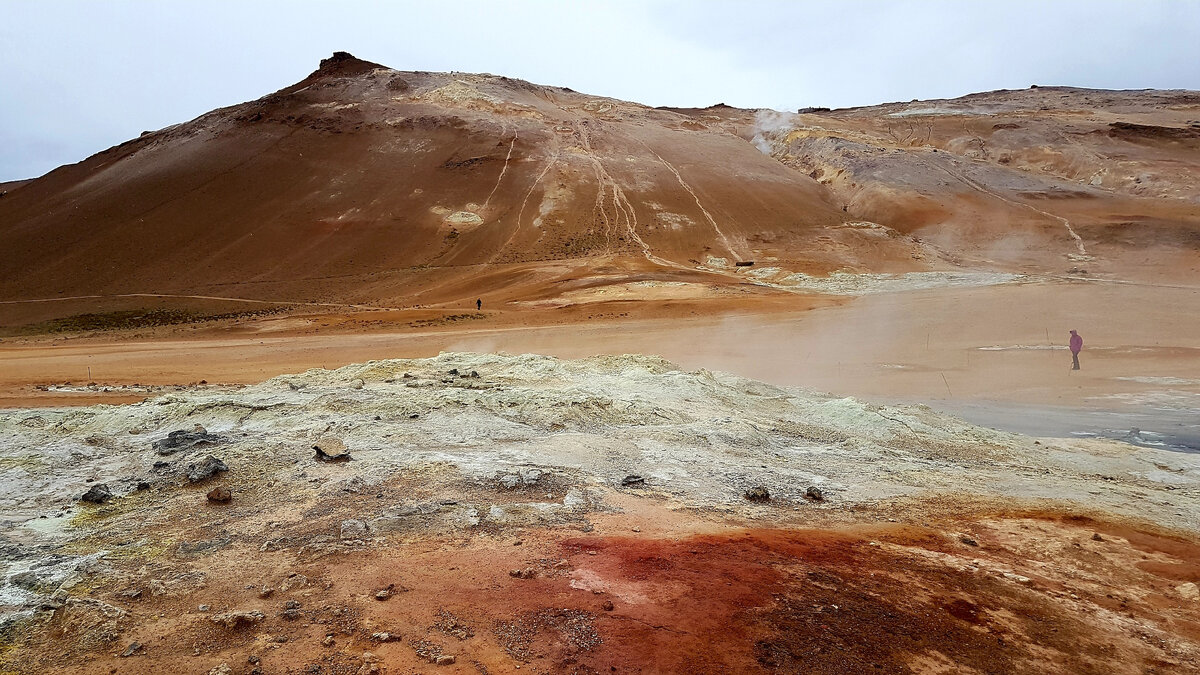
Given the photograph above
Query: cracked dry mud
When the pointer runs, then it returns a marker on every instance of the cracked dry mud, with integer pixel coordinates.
(483, 523)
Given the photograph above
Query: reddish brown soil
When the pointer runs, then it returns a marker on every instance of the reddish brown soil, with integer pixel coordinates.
(886, 598)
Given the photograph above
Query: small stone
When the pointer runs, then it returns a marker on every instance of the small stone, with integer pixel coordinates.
(607, 606)
(758, 494)
(204, 608)
(968, 541)
(328, 641)
(142, 485)
(97, 494)
(524, 573)
(205, 469)
(815, 494)
(133, 648)
(220, 495)
(357, 383)
(265, 592)
(384, 636)
(235, 620)
(632, 479)
(385, 593)
(253, 660)
(1096, 537)
(222, 669)
(1189, 591)
(445, 660)
(330, 449)
(131, 593)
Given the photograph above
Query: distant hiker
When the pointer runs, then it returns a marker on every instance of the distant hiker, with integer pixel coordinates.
(479, 306)
(1076, 347)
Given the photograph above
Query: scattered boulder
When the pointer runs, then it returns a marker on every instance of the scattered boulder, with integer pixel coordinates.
(236, 620)
(330, 449)
(354, 529)
(97, 494)
(205, 469)
(220, 495)
(182, 440)
(758, 494)
(814, 493)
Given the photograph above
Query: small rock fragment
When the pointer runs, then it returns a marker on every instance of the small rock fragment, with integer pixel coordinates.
(133, 648)
(384, 636)
(357, 383)
(220, 495)
(265, 592)
(235, 620)
(968, 541)
(814, 493)
(633, 479)
(330, 449)
(523, 573)
(97, 494)
(222, 669)
(291, 610)
(1189, 590)
(445, 660)
(607, 606)
(1096, 537)
(758, 494)
(385, 593)
(328, 641)
(205, 469)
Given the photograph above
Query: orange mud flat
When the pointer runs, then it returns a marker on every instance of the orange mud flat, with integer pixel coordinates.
(1011, 593)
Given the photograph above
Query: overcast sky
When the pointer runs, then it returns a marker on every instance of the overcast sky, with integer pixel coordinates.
(78, 77)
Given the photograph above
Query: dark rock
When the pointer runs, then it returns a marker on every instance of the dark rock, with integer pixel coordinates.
(385, 593)
(142, 485)
(205, 469)
(179, 441)
(291, 610)
(607, 606)
(220, 495)
(968, 541)
(133, 648)
(453, 371)
(744, 263)
(758, 494)
(633, 479)
(815, 494)
(97, 494)
(1096, 537)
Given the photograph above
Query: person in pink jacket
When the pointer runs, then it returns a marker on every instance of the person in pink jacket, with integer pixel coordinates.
(1076, 347)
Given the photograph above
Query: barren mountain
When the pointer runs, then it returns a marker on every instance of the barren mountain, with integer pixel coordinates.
(363, 184)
